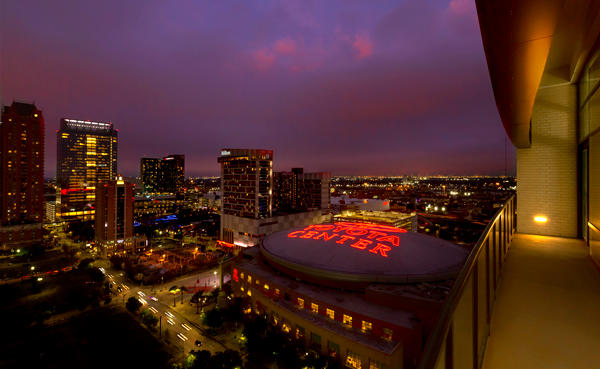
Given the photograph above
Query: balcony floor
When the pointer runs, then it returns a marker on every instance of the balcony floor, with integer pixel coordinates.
(547, 312)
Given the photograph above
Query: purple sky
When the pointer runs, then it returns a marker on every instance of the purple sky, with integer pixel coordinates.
(352, 87)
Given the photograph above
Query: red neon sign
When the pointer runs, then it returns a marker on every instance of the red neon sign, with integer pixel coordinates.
(65, 191)
(377, 239)
(225, 244)
(235, 275)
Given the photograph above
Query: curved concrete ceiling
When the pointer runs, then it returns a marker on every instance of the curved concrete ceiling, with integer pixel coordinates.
(517, 35)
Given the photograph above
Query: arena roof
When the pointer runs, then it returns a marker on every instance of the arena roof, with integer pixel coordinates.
(361, 252)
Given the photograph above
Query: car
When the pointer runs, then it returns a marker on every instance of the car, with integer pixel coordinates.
(198, 343)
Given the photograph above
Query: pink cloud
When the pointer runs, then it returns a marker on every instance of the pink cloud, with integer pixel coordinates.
(263, 59)
(363, 46)
(461, 7)
(285, 46)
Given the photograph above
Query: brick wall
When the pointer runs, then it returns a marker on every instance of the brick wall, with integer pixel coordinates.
(547, 171)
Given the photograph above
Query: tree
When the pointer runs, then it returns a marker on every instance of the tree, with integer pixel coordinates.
(148, 318)
(96, 275)
(233, 310)
(85, 263)
(133, 305)
(227, 359)
(213, 318)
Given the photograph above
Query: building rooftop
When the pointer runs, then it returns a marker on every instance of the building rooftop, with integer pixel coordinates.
(22, 108)
(353, 301)
(362, 253)
(374, 216)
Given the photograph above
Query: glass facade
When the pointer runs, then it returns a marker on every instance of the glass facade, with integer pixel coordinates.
(589, 154)
(87, 154)
(166, 175)
(246, 183)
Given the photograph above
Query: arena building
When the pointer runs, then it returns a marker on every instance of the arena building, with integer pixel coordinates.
(368, 294)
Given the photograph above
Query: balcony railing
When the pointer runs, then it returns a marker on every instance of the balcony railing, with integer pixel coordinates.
(459, 338)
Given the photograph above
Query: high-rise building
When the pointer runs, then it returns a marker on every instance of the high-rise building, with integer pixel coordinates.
(150, 174)
(246, 182)
(299, 191)
(247, 202)
(283, 190)
(87, 154)
(173, 173)
(163, 175)
(21, 174)
(114, 213)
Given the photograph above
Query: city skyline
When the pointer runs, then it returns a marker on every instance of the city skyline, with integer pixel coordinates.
(319, 84)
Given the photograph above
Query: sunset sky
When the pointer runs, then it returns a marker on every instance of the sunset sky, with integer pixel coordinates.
(351, 87)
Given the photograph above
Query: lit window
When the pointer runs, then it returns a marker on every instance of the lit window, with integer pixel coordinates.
(330, 313)
(299, 332)
(266, 287)
(249, 293)
(300, 303)
(277, 292)
(374, 364)
(366, 326)
(314, 307)
(347, 321)
(249, 279)
(333, 349)
(353, 360)
(387, 334)
(242, 288)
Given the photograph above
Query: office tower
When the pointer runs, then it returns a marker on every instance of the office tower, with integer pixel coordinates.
(21, 174)
(163, 175)
(87, 154)
(299, 191)
(313, 190)
(150, 174)
(173, 173)
(114, 213)
(283, 193)
(246, 181)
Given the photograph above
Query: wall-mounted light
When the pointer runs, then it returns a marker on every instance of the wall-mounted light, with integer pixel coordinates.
(540, 219)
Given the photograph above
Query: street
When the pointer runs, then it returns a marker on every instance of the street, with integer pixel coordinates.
(179, 328)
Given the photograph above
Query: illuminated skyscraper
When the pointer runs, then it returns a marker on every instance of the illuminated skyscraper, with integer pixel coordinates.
(163, 175)
(246, 182)
(21, 174)
(173, 173)
(87, 154)
(298, 191)
(150, 173)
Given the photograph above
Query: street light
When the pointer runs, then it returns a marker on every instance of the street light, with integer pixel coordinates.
(32, 268)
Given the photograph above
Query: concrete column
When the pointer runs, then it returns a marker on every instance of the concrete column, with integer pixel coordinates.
(547, 171)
